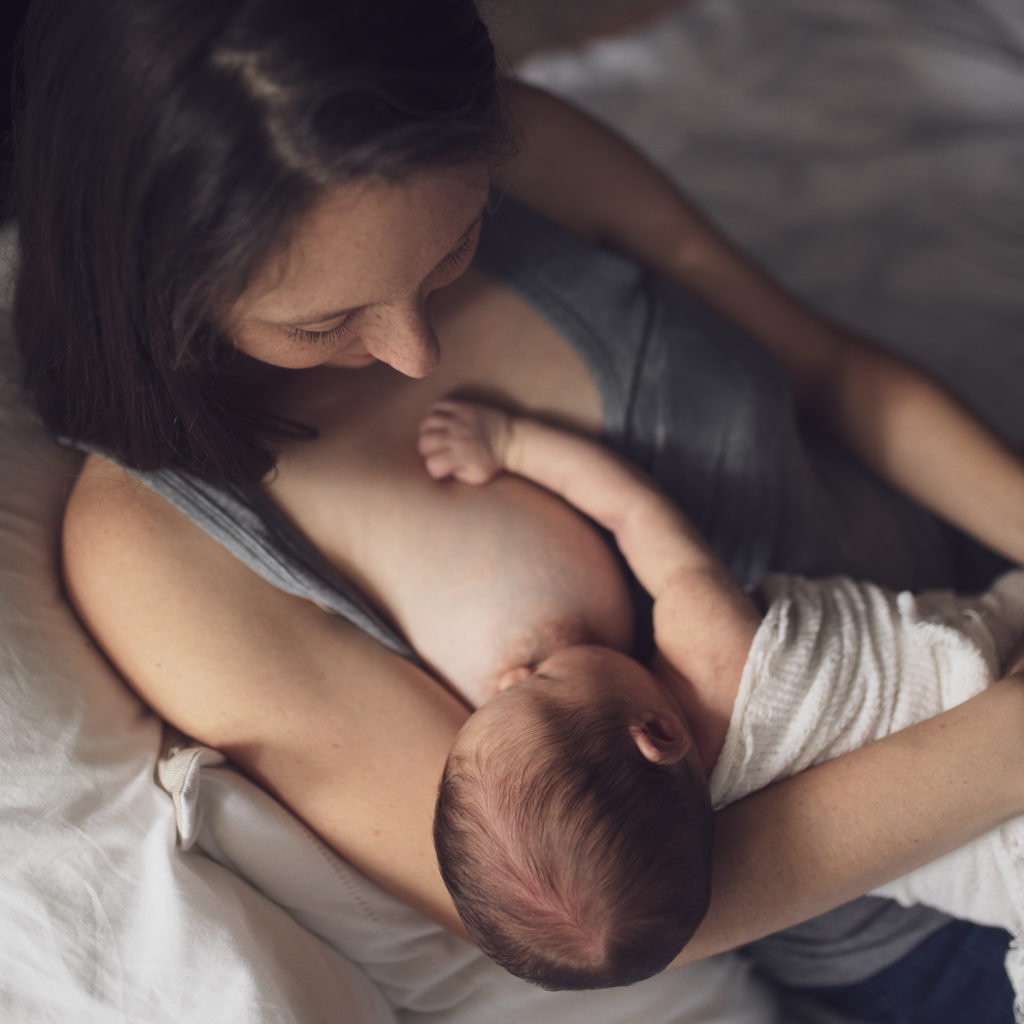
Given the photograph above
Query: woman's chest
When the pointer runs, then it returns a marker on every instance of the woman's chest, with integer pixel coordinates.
(478, 580)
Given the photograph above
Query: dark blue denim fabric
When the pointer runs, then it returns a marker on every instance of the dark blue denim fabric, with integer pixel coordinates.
(954, 977)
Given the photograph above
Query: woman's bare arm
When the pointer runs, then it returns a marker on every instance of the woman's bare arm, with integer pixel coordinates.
(903, 424)
(813, 842)
(350, 736)
(354, 739)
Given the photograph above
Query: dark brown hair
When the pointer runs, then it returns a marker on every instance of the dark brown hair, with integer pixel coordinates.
(164, 148)
(573, 861)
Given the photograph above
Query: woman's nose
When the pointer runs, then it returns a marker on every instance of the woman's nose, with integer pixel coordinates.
(407, 343)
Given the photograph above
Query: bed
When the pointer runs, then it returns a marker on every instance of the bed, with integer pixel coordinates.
(870, 152)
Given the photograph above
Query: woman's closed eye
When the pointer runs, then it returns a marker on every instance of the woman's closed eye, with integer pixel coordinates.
(459, 253)
(454, 259)
(325, 337)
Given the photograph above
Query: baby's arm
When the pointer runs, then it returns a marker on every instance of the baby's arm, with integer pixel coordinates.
(699, 606)
(473, 443)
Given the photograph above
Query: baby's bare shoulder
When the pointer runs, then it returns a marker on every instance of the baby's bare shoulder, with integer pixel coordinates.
(704, 624)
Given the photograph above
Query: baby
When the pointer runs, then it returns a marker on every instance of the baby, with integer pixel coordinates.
(573, 823)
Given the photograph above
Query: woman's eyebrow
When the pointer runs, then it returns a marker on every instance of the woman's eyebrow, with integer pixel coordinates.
(322, 317)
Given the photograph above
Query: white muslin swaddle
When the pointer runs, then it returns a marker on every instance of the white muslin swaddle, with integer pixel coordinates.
(836, 664)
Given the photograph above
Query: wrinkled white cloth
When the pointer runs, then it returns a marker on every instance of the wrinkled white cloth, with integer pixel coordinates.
(838, 663)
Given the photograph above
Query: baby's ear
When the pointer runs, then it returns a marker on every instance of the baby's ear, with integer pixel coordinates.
(660, 737)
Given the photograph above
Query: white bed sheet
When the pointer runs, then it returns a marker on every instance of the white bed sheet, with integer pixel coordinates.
(101, 918)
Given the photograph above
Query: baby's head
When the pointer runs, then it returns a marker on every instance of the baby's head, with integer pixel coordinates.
(573, 827)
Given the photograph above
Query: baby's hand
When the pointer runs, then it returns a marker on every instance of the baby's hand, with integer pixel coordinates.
(464, 440)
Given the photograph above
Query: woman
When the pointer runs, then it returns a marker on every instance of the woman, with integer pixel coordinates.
(239, 219)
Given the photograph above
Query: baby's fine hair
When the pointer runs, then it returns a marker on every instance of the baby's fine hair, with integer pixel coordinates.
(573, 861)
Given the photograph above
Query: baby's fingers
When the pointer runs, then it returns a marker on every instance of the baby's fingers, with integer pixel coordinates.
(439, 453)
(439, 463)
(445, 415)
(457, 439)
(432, 441)
(436, 423)
(444, 456)
(446, 462)
(467, 418)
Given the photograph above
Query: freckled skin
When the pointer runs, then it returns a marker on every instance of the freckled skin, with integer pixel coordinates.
(478, 582)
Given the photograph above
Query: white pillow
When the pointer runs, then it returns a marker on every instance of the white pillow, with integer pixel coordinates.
(106, 919)
(103, 919)
(427, 974)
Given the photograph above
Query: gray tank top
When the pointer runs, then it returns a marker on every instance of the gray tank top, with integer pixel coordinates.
(705, 410)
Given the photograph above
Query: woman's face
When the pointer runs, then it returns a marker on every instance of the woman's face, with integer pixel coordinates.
(351, 286)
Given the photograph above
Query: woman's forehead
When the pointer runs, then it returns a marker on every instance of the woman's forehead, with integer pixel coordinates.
(361, 240)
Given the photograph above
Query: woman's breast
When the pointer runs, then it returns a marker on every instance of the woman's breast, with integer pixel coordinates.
(477, 580)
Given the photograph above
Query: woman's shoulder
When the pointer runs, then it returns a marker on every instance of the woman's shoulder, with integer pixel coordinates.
(191, 625)
(133, 564)
(116, 526)
(584, 176)
(536, 172)
(169, 606)
(129, 551)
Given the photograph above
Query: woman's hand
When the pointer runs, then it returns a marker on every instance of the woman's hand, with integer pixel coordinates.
(464, 440)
